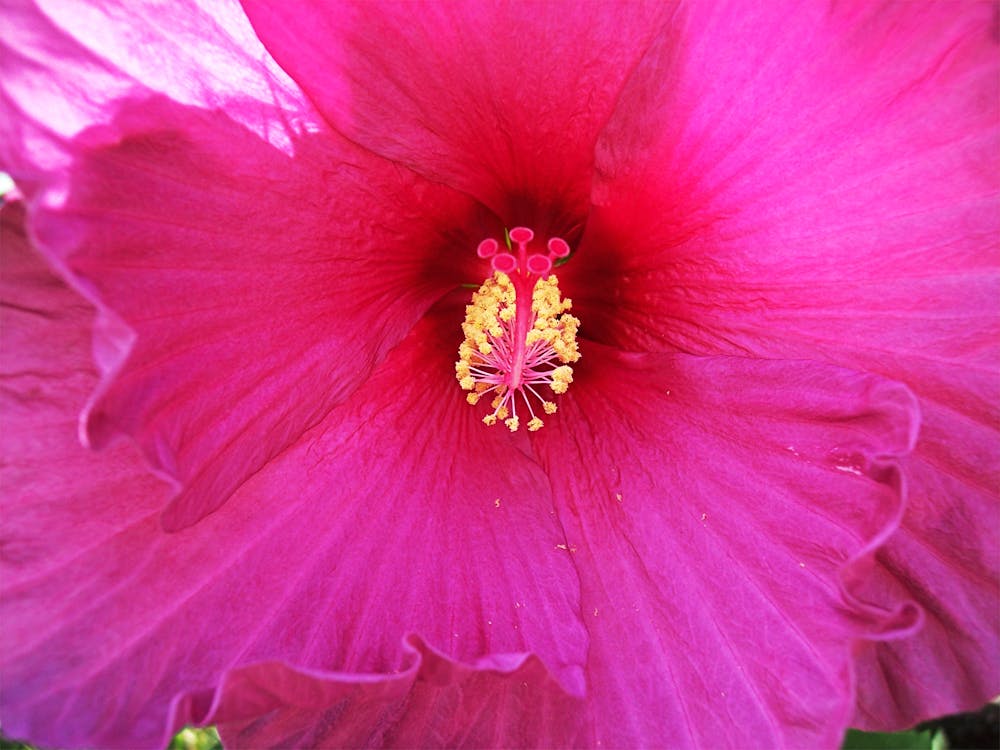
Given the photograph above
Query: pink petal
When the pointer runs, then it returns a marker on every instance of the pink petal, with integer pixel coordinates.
(945, 556)
(46, 373)
(721, 514)
(829, 190)
(374, 525)
(232, 277)
(433, 703)
(67, 65)
(504, 102)
(827, 186)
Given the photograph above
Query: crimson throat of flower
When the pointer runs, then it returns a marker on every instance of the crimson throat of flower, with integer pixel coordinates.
(513, 349)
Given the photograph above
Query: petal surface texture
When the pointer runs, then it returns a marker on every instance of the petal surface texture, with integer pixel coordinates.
(500, 100)
(665, 540)
(112, 624)
(834, 194)
(233, 274)
(720, 512)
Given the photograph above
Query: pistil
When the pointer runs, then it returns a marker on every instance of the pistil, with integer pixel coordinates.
(519, 337)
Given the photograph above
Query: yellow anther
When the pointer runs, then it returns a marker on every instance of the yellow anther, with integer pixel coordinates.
(561, 378)
(512, 350)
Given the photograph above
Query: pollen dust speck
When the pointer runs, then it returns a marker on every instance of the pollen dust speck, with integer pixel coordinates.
(514, 348)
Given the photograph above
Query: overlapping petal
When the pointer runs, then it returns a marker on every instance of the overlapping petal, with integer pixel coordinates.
(234, 276)
(324, 561)
(433, 703)
(42, 394)
(848, 210)
(66, 64)
(502, 100)
(945, 557)
(721, 513)
(847, 204)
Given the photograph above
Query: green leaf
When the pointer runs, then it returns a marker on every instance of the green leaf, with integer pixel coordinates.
(856, 740)
(196, 739)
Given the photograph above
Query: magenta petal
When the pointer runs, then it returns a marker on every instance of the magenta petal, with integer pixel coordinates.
(59, 502)
(807, 180)
(434, 702)
(945, 556)
(829, 190)
(502, 101)
(240, 256)
(231, 280)
(47, 372)
(64, 66)
(375, 525)
(721, 514)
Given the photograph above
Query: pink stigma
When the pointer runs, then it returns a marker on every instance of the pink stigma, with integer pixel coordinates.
(519, 259)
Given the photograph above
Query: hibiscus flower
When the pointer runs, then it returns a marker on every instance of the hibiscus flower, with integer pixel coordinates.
(762, 505)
